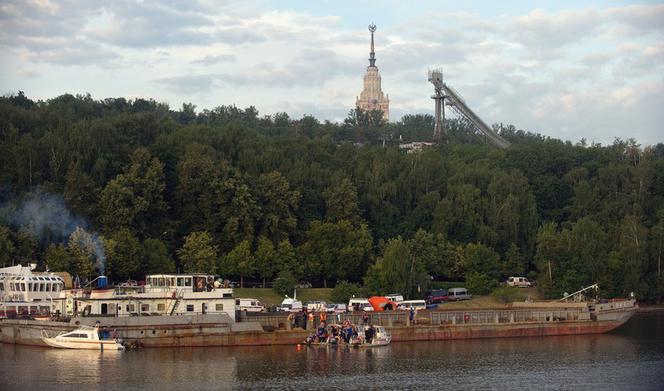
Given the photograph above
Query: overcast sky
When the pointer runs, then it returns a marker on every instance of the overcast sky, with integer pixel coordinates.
(566, 69)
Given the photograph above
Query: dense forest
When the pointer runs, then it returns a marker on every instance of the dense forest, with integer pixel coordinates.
(129, 187)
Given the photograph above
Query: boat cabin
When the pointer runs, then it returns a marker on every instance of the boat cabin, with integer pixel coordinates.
(162, 294)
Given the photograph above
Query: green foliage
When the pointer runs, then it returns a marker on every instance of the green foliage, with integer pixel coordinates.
(344, 290)
(479, 283)
(156, 258)
(399, 270)
(6, 246)
(82, 249)
(507, 294)
(57, 258)
(566, 214)
(198, 254)
(123, 255)
(284, 283)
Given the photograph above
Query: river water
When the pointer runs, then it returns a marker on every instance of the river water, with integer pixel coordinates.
(630, 358)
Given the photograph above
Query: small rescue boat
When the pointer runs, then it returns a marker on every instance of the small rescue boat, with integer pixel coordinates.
(85, 337)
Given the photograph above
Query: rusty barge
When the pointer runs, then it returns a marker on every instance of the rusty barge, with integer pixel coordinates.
(518, 320)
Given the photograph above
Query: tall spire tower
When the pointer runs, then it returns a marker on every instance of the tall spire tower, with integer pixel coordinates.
(372, 97)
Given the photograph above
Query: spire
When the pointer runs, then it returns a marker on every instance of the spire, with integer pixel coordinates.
(372, 55)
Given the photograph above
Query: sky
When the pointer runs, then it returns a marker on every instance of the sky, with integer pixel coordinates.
(571, 70)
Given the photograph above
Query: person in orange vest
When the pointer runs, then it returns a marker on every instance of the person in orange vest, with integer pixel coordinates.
(310, 322)
(323, 317)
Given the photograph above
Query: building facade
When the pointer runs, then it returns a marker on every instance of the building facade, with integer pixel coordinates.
(372, 97)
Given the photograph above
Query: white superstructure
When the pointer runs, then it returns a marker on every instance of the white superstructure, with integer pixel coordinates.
(27, 294)
(162, 294)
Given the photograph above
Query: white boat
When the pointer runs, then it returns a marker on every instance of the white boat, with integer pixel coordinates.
(381, 337)
(84, 337)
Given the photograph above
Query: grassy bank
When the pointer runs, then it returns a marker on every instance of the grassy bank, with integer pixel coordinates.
(268, 297)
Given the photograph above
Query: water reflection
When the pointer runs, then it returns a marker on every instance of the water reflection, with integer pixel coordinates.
(631, 358)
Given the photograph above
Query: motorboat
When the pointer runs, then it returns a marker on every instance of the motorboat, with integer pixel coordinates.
(84, 337)
(381, 337)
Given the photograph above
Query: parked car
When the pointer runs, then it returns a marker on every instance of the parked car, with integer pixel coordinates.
(336, 308)
(519, 282)
(437, 296)
(303, 285)
(455, 294)
(249, 305)
(408, 304)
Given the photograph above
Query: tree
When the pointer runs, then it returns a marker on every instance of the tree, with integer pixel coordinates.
(123, 255)
(400, 270)
(198, 254)
(278, 206)
(344, 291)
(83, 247)
(155, 257)
(284, 283)
(285, 258)
(135, 198)
(264, 259)
(57, 258)
(6, 246)
(481, 259)
(337, 251)
(239, 261)
(341, 202)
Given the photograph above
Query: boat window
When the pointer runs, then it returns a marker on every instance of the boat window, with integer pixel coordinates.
(219, 307)
(172, 281)
(75, 335)
(29, 287)
(187, 281)
(160, 281)
(161, 307)
(130, 308)
(104, 308)
(48, 287)
(41, 287)
(180, 281)
(23, 287)
(145, 307)
(190, 308)
(2, 286)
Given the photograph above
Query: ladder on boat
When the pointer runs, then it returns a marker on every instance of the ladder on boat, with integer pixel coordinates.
(178, 295)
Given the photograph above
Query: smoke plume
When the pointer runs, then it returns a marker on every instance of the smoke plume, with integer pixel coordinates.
(46, 217)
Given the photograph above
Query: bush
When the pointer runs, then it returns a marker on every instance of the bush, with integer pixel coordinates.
(344, 291)
(480, 283)
(284, 283)
(507, 294)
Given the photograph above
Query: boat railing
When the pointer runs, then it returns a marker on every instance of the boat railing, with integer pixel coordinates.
(447, 317)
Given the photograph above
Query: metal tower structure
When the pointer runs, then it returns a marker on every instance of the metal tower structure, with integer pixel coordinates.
(442, 93)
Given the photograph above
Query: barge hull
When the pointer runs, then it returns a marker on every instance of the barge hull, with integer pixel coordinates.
(164, 334)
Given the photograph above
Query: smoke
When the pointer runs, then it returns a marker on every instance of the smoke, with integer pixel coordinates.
(46, 217)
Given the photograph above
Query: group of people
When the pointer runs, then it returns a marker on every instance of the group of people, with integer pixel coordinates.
(345, 333)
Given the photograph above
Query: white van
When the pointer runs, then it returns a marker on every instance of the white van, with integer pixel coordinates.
(519, 282)
(455, 294)
(290, 305)
(249, 305)
(359, 304)
(395, 297)
(408, 304)
(316, 306)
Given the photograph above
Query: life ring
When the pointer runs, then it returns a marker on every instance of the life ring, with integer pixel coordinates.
(466, 317)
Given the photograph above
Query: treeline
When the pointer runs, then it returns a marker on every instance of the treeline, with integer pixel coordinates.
(248, 197)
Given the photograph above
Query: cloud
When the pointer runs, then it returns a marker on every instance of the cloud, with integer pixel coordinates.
(189, 84)
(211, 60)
